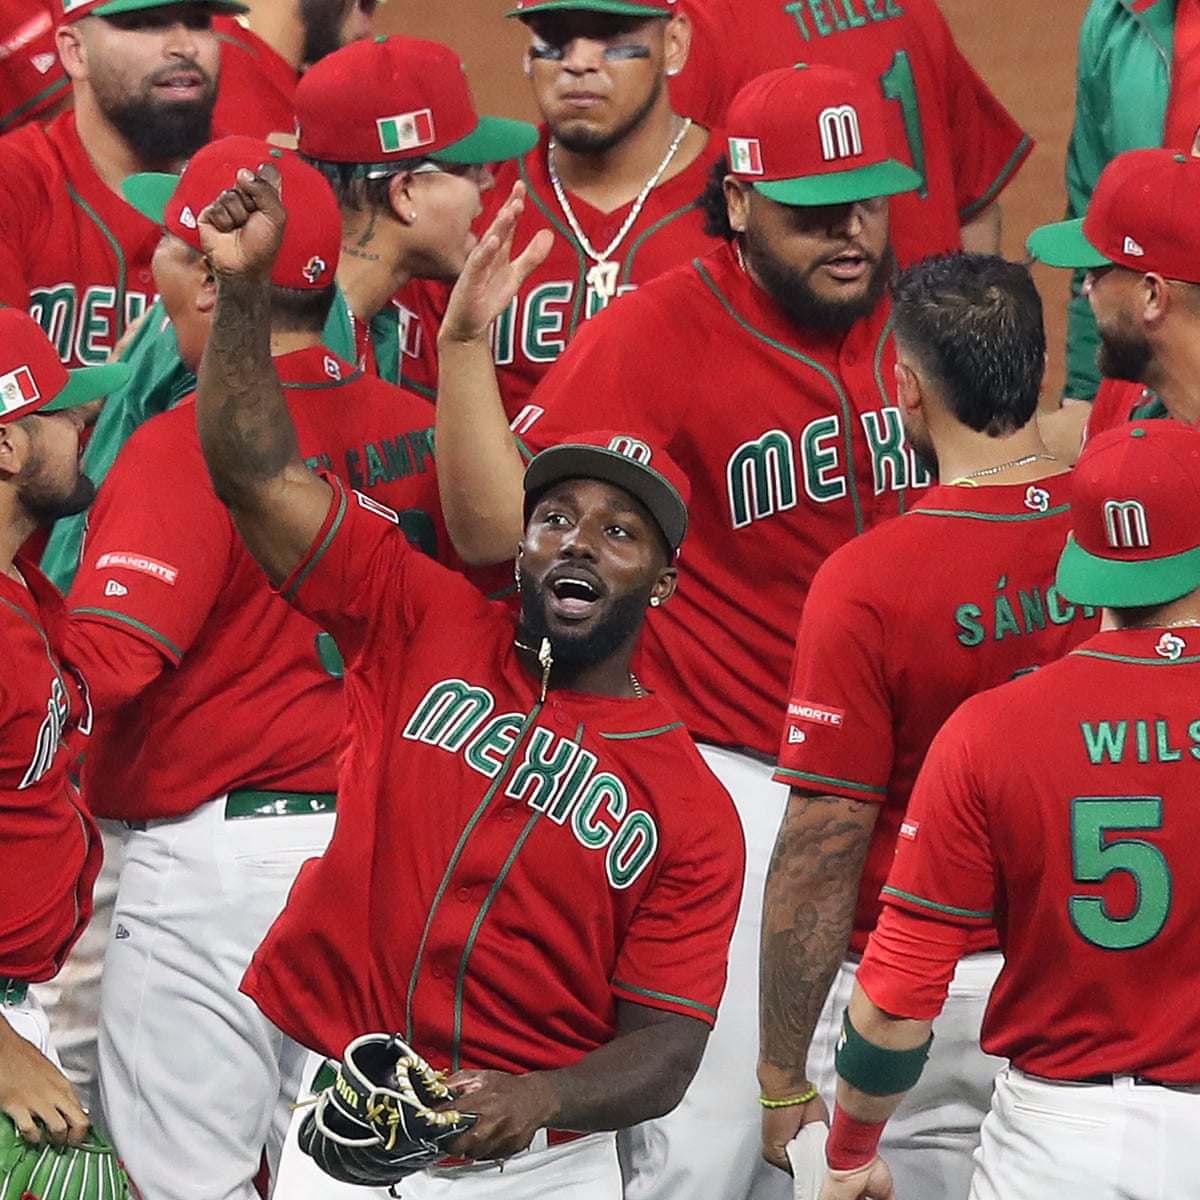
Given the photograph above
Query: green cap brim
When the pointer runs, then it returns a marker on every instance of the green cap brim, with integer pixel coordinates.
(622, 8)
(494, 139)
(842, 187)
(85, 384)
(149, 192)
(1063, 245)
(1084, 578)
(114, 7)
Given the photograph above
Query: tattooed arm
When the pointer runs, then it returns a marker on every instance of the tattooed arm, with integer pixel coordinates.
(808, 912)
(247, 436)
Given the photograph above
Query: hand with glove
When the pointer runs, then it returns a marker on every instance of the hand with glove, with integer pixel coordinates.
(383, 1117)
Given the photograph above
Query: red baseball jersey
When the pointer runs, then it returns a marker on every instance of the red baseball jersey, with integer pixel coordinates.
(52, 847)
(1059, 806)
(942, 117)
(258, 86)
(889, 648)
(556, 299)
(791, 442)
(163, 562)
(31, 76)
(506, 868)
(72, 252)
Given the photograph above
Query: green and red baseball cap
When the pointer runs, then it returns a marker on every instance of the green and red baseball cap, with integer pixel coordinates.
(1135, 516)
(811, 135)
(312, 238)
(619, 8)
(647, 473)
(391, 98)
(32, 377)
(72, 10)
(31, 76)
(1141, 216)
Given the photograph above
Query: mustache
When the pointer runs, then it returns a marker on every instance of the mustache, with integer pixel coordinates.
(182, 66)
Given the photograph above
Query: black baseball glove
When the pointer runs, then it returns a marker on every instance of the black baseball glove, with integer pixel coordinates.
(375, 1123)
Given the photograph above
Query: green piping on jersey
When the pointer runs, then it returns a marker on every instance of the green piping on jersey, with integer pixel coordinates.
(949, 910)
(998, 184)
(33, 102)
(122, 619)
(1145, 662)
(569, 237)
(119, 308)
(329, 383)
(312, 562)
(636, 244)
(651, 995)
(641, 733)
(851, 478)
(480, 917)
(481, 808)
(808, 777)
(983, 516)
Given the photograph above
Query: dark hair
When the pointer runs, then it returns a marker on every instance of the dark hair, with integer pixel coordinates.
(352, 188)
(973, 322)
(711, 202)
(300, 310)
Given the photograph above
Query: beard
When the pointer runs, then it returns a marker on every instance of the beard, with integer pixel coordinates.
(583, 139)
(46, 503)
(1123, 355)
(792, 290)
(589, 647)
(159, 130)
(322, 21)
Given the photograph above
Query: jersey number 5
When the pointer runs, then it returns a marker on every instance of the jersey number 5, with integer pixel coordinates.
(1095, 856)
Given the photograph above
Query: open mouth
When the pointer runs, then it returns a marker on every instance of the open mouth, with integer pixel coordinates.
(573, 597)
(182, 83)
(848, 266)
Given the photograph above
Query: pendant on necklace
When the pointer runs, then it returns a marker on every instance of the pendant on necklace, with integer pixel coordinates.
(602, 279)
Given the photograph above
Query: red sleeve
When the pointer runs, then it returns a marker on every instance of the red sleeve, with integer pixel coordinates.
(159, 543)
(115, 660)
(838, 730)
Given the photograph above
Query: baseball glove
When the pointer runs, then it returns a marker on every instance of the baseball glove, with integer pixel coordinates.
(375, 1123)
(45, 1172)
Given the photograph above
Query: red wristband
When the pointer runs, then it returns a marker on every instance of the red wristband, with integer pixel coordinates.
(852, 1143)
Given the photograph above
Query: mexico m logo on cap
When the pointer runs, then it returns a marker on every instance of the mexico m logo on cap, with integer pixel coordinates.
(840, 133)
(631, 447)
(1125, 525)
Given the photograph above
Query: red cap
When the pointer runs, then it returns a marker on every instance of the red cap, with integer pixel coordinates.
(32, 377)
(648, 474)
(312, 238)
(1141, 216)
(31, 77)
(72, 10)
(1135, 516)
(811, 135)
(391, 98)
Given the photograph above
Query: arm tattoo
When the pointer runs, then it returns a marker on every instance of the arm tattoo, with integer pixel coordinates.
(808, 912)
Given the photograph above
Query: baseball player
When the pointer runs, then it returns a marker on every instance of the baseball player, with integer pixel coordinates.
(53, 843)
(32, 81)
(766, 369)
(218, 707)
(959, 137)
(72, 251)
(547, 772)
(614, 177)
(886, 651)
(1141, 253)
(1056, 809)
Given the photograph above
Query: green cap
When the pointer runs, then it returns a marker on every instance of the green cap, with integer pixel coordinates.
(72, 10)
(1064, 244)
(620, 8)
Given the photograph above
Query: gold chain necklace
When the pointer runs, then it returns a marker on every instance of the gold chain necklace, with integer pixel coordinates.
(965, 480)
(1172, 625)
(602, 276)
(546, 661)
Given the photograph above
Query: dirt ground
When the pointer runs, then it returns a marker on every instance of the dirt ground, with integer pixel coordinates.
(1025, 50)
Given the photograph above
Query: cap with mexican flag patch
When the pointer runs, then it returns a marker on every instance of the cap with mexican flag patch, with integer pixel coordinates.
(32, 377)
(812, 135)
(392, 98)
(312, 237)
(620, 8)
(72, 10)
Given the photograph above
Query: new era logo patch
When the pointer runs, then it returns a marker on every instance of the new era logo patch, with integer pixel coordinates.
(187, 218)
(796, 736)
(43, 62)
(1131, 247)
(745, 156)
(405, 131)
(17, 389)
(113, 588)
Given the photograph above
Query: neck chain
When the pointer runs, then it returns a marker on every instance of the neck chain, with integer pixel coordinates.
(602, 277)
(1168, 625)
(546, 661)
(965, 480)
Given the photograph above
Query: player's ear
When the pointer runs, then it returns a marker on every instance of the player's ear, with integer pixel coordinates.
(13, 449)
(72, 52)
(909, 396)
(677, 43)
(664, 587)
(737, 202)
(401, 197)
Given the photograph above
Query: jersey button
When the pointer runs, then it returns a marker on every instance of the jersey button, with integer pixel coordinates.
(507, 814)
(437, 972)
(463, 894)
(850, 358)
